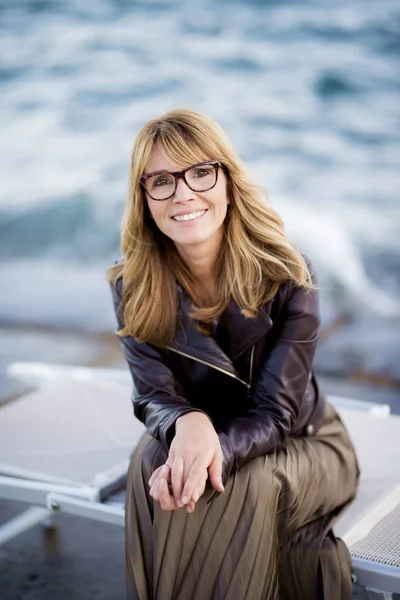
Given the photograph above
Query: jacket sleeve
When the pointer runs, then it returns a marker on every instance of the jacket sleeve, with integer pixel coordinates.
(157, 397)
(280, 384)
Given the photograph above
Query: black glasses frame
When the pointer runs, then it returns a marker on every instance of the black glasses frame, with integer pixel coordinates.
(180, 175)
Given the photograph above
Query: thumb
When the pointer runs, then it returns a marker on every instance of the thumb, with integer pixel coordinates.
(215, 472)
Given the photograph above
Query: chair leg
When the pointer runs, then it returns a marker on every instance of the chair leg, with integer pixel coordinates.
(378, 595)
(29, 518)
(51, 538)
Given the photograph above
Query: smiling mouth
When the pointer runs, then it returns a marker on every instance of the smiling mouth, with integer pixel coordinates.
(190, 216)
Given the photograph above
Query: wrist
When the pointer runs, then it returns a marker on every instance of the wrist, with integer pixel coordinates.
(193, 416)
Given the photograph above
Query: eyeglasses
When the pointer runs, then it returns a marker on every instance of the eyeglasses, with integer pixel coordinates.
(161, 185)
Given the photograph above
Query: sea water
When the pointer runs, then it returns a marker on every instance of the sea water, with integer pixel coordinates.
(308, 92)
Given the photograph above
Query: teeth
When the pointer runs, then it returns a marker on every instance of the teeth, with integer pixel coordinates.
(189, 217)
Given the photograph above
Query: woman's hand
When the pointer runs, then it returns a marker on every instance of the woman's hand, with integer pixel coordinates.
(160, 489)
(195, 454)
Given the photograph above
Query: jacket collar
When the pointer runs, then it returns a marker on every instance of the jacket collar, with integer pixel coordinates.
(242, 333)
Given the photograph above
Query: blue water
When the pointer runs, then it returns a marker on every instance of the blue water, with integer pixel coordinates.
(308, 92)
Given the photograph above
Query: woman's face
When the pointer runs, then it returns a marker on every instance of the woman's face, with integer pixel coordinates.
(205, 211)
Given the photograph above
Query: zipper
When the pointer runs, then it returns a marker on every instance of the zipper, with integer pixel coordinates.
(208, 364)
(251, 371)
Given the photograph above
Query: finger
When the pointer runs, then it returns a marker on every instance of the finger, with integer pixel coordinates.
(165, 498)
(215, 472)
(190, 507)
(154, 490)
(155, 474)
(195, 484)
(177, 480)
(163, 473)
(199, 488)
(171, 458)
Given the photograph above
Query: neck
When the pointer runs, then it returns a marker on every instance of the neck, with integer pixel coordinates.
(201, 261)
(201, 258)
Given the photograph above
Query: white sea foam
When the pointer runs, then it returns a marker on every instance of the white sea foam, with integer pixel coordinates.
(307, 93)
(328, 242)
(52, 293)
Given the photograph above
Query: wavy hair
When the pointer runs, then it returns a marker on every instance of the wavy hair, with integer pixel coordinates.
(255, 259)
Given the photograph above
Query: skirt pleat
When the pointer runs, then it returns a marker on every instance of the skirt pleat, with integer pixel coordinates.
(267, 537)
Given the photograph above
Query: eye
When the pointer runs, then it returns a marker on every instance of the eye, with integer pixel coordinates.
(202, 171)
(161, 181)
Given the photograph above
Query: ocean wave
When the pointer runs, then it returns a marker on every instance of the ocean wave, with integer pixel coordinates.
(308, 92)
(71, 228)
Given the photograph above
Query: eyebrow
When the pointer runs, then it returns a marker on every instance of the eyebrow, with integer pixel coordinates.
(203, 162)
(160, 172)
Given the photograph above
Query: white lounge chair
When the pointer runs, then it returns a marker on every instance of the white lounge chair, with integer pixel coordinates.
(66, 447)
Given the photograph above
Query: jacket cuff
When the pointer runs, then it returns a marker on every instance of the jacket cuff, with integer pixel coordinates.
(228, 457)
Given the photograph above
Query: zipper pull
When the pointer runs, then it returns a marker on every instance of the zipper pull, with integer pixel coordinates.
(248, 391)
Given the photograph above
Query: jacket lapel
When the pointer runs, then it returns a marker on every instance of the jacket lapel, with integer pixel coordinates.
(190, 341)
(240, 333)
(243, 332)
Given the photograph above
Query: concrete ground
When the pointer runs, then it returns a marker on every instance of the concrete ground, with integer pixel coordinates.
(86, 563)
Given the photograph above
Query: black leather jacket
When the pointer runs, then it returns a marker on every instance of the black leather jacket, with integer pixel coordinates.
(253, 378)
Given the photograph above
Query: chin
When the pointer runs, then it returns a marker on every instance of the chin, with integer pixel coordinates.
(190, 239)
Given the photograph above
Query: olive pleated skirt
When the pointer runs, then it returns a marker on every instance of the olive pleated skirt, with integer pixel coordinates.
(267, 537)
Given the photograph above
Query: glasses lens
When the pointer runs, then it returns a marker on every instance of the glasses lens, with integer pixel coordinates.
(201, 177)
(160, 186)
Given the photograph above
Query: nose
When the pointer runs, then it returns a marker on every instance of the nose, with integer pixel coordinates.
(183, 193)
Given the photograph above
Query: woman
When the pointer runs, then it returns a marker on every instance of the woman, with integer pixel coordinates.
(233, 491)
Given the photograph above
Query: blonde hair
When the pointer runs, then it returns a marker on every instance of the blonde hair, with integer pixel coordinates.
(255, 259)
